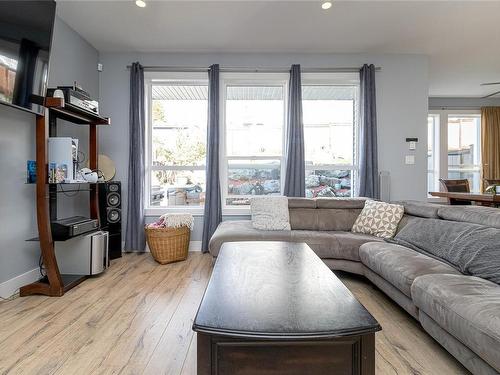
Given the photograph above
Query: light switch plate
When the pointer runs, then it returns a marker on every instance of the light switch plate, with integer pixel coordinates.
(410, 159)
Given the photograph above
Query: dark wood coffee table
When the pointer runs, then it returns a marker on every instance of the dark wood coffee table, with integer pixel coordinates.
(276, 308)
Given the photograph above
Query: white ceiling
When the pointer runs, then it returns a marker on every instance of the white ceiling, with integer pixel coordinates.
(461, 38)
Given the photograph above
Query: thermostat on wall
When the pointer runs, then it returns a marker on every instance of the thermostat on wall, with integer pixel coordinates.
(412, 143)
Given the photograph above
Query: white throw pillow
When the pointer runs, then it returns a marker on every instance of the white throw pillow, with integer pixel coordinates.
(379, 219)
(270, 213)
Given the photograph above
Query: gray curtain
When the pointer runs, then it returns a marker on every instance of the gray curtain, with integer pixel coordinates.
(295, 184)
(134, 236)
(368, 163)
(213, 209)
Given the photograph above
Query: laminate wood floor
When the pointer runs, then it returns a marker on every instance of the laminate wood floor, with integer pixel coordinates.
(136, 319)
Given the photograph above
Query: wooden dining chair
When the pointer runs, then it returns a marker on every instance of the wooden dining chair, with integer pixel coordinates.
(456, 186)
(490, 182)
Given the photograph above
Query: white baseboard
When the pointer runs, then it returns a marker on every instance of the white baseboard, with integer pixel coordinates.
(195, 246)
(9, 287)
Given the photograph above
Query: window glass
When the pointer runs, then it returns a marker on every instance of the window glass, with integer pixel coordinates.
(328, 183)
(464, 149)
(178, 144)
(254, 120)
(255, 116)
(329, 133)
(432, 161)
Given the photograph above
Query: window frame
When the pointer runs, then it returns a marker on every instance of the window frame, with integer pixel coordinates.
(158, 78)
(436, 150)
(247, 79)
(340, 79)
(441, 142)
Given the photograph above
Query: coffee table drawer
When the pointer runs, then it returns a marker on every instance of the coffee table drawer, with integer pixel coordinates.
(222, 356)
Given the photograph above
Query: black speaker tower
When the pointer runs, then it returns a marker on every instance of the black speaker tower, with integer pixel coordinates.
(110, 214)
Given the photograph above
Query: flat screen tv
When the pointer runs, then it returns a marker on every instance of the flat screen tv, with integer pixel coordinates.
(25, 39)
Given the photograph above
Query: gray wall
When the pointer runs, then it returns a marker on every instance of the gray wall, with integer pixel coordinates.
(462, 103)
(72, 58)
(17, 199)
(402, 93)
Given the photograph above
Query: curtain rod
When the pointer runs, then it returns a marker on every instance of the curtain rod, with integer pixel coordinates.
(228, 69)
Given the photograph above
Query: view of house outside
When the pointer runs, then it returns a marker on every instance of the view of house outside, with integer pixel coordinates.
(8, 69)
(178, 147)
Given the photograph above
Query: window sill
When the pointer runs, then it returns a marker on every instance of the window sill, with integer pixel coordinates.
(195, 211)
(158, 211)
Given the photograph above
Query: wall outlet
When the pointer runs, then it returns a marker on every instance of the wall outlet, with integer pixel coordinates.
(410, 159)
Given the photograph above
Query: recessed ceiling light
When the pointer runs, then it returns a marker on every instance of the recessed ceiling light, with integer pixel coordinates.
(326, 5)
(140, 3)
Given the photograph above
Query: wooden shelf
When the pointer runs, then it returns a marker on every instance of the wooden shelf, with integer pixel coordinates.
(67, 183)
(70, 112)
(37, 239)
(43, 286)
(56, 284)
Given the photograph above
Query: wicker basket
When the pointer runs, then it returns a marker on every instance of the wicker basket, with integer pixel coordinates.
(168, 245)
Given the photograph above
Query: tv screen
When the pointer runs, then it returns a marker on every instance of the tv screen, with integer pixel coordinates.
(25, 38)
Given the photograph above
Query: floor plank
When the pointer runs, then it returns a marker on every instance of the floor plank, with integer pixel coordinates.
(137, 317)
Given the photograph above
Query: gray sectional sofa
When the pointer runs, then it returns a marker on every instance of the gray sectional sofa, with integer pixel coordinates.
(461, 312)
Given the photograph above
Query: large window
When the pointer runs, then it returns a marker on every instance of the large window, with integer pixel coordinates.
(253, 131)
(177, 142)
(329, 112)
(454, 142)
(254, 122)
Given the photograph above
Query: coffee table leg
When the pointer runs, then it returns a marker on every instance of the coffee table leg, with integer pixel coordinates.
(368, 354)
(204, 354)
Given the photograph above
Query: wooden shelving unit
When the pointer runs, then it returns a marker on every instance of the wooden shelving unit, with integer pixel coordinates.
(54, 283)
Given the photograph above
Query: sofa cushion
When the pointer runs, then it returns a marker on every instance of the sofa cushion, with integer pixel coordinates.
(420, 209)
(303, 218)
(333, 244)
(400, 265)
(467, 307)
(379, 218)
(343, 203)
(242, 230)
(301, 203)
(464, 354)
(319, 219)
(326, 244)
(487, 216)
(337, 219)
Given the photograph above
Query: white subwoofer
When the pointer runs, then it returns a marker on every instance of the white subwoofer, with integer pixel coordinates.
(83, 255)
